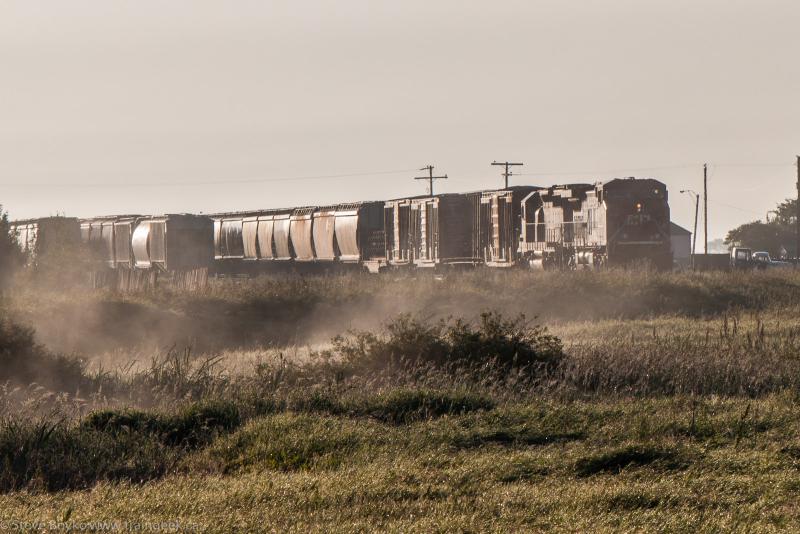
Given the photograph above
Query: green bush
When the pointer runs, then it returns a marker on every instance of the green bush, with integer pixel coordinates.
(52, 456)
(23, 361)
(507, 343)
(194, 425)
(107, 445)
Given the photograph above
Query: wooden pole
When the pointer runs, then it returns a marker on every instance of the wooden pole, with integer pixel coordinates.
(430, 178)
(797, 217)
(694, 235)
(705, 206)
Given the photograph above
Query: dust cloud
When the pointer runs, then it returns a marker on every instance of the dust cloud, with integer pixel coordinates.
(283, 311)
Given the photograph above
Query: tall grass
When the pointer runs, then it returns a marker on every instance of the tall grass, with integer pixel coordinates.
(65, 425)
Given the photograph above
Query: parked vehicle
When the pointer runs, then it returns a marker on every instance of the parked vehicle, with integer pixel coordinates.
(762, 260)
(741, 258)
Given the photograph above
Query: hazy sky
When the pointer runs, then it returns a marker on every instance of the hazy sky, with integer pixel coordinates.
(97, 96)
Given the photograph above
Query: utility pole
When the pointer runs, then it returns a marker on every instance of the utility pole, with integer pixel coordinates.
(507, 164)
(705, 205)
(694, 234)
(797, 216)
(430, 177)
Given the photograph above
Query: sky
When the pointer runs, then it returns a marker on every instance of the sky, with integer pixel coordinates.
(110, 106)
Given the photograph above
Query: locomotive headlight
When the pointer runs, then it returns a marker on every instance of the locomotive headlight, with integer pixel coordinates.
(638, 206)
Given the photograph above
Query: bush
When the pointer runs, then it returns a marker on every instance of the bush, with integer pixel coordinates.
(108, 445)
(194, 425)
(23, 361)
(52, 456)
(494, 340)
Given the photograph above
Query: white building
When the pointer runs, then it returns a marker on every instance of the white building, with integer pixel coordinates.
(681, 240)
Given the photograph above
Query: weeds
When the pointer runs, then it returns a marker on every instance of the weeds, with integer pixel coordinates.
(409, 341)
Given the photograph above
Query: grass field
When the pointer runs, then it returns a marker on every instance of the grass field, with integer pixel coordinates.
(623, 401)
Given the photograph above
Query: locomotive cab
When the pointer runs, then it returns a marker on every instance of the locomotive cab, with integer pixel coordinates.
(637, 214)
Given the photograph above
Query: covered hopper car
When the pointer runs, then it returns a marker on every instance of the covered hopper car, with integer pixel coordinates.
(109, 239)
(311, 237)
(178, 242)
(57, 237)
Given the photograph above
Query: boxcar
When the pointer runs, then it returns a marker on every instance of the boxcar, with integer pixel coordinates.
(446, 230)
(499, 227)
(400, 231)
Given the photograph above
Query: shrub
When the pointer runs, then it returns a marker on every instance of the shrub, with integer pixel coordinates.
(23, 361)
(513, 343)
(108, 445)
(194, 425)
(116, 421)
(54, 455)
(510, 342)
(200, 423)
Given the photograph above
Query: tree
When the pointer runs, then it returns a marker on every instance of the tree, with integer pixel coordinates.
(11, 256)
(776, 237)
(786, 213)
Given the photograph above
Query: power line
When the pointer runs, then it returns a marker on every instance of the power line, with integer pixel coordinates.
(751, 164)
(745, 210)
(611, 171)
(654, 168)
(133, 183)
(360, 174)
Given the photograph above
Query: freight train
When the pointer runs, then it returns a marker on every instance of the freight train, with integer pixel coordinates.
(573, 226)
